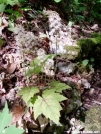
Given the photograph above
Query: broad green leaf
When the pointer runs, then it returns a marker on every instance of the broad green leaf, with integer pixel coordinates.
(5, 118)
(49, 105)
(13, 130)
(85, 62)
(28, 92)
(58, 97)
(2, 7)
(58, 86)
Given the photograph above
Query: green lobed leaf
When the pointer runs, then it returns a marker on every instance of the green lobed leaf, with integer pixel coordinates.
(28, 92)
(58, 97)
(5, 118)
(49, 105)
(58, 86)
(13, 130)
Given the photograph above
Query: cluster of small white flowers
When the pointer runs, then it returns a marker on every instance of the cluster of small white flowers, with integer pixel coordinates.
(59, 34)
(24, 40)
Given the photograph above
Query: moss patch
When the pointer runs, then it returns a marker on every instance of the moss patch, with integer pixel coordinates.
(90, 48)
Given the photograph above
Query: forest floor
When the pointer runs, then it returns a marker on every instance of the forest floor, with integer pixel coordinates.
(12, 78)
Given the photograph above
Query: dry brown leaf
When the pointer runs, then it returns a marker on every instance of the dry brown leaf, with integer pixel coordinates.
(11, 68)
(13, 62)
(17, 113)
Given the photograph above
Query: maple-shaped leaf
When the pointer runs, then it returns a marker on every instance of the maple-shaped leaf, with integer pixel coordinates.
(5, 120)
(58, 86)
(28, 92)
(49, 105)
(13, 130)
